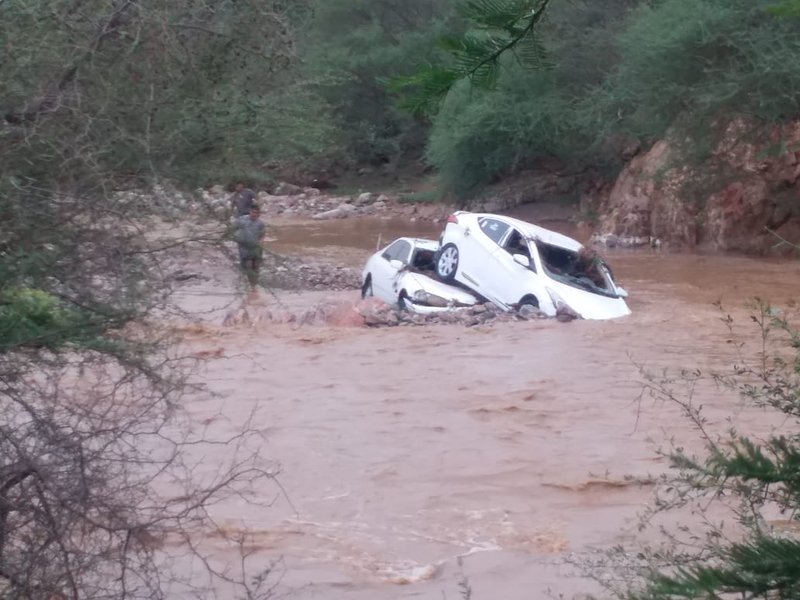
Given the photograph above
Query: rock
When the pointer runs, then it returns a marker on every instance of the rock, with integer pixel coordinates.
(287, 189)
(340, 212)
(728, 203)
(344, 315)
(364, 198)
(217, 190)
(383, 198)
(529, 312)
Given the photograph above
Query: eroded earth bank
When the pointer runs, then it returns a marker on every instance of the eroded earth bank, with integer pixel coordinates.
(508, 453)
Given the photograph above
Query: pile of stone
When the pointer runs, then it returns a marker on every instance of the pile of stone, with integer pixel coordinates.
(287, 200)
(292, 275)
(383, 315)
(375, 313)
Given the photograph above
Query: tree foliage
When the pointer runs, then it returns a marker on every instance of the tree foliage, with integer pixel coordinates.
(701, 61)
(620, 70)
(481, 133)
(97, 96)
(498, 28)
(351, 49)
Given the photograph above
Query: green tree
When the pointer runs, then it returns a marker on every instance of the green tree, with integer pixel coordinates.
(352, 48)
(700, 61)
(528, 110)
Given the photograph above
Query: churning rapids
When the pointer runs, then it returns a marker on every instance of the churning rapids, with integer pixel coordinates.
(412, 457)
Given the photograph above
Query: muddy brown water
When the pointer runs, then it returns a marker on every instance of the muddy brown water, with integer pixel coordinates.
(414, 457)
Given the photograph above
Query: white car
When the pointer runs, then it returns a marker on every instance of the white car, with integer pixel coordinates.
(396, 275)
(513, 263)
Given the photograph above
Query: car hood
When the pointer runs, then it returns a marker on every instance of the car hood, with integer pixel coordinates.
(413, 282)
(587, 304)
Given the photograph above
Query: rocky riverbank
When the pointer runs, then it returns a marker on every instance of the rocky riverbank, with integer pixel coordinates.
(287, 200)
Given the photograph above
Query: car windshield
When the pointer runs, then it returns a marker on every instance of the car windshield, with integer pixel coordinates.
(584, 270)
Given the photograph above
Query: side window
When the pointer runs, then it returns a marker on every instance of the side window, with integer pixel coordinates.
(494, 229)
(516, 244)
(398, 251)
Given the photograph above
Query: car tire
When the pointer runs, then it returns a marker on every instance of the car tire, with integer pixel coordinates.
(447, 263)
(366, 288)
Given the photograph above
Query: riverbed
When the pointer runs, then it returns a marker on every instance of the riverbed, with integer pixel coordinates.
(416, 459)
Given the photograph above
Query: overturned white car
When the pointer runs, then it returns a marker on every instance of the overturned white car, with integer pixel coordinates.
(397, 275)
(514, 263)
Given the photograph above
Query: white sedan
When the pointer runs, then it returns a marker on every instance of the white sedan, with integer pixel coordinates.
(514, 263)
(396, 275)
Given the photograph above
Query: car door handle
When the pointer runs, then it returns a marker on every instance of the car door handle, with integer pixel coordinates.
(466, 231)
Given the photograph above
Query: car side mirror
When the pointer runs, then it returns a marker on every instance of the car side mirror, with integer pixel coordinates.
(622, 292)
(523, 260)
(397, 264)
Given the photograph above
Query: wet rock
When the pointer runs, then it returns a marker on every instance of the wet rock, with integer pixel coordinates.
(344, 315)
(364, 198)
(340, 212)
(529, 312)
(287, 189)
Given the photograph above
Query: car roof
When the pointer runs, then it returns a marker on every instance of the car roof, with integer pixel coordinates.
(418, 243)
(534, 231)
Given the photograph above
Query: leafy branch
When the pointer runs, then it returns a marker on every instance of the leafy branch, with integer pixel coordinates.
(499, 27)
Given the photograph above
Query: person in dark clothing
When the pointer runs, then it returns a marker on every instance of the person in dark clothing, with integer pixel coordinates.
(242, 200)
(249, 233)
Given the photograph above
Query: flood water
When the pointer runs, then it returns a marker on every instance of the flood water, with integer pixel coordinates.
(508, 448)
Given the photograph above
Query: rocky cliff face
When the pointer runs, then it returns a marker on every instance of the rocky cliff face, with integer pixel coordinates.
(745, 196)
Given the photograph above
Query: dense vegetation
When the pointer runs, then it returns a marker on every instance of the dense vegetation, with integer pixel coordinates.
(624, 69)
(238, 88)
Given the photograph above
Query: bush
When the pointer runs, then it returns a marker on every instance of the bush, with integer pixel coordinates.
(702, 59)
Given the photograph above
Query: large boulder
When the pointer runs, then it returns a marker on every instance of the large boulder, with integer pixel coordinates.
(740, 198)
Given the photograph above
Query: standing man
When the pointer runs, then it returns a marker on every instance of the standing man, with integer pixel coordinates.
(250, 230)
(242, 200)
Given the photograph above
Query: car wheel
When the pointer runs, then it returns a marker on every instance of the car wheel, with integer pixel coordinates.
(447, 263)
(366, 289)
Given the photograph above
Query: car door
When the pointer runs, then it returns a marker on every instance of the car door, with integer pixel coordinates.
(384, 280)
(476, 261)
(507, 280)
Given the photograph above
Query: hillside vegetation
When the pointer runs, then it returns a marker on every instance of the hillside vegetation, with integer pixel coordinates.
(611, 74)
